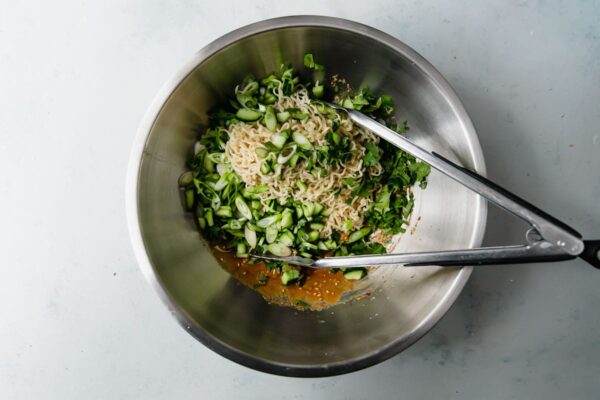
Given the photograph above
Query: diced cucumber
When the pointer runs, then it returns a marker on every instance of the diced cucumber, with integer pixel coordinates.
(313, 236)
(286, 238)
(318, 209)
(354, 274)
(283, 116)
(241, 250)
(308, 209)
(289, 275)
(316, 226)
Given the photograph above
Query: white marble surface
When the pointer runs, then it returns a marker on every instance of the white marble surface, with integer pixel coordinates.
(77, 319)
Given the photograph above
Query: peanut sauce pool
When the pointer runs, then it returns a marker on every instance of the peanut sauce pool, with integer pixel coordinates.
(320, 289)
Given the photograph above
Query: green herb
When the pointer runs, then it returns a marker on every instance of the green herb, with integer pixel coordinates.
(372, 156)
(309, 62)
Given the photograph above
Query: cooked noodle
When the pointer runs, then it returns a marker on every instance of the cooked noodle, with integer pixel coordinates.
(327, 190)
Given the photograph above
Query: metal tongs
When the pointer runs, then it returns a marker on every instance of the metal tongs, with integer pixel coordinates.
(548, 239)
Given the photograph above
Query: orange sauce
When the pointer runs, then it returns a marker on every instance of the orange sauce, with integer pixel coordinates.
(321, 288)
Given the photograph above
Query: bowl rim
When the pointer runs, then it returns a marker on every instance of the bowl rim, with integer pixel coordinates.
(131, 191)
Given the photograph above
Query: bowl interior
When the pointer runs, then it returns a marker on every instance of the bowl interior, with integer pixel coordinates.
(404, 302)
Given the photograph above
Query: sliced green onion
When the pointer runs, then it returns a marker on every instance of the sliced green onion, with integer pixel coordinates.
(198, 147)
(322, 246)
(236, 232)
(302, 141)
(243, 208)
(246, 114)
(186, 178)
(271, 148)
(233, 225)
(268, 221)
(224, 211)
(271, 234)
(359, 234)
(270, 119)
(223, 168)
(250, 236)
(326, 212)
(202, 223)
(279, 249)
(299, 212)
(218, 185)
(286, 154)
(190, 196)
(215, 202)
(217, 158)
(283, 116)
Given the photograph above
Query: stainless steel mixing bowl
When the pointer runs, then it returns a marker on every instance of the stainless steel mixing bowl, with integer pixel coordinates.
(235, 321)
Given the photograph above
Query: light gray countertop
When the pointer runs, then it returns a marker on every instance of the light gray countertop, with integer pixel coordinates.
(77, 319)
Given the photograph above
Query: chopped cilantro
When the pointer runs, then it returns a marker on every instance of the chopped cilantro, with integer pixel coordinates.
(372, 156)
